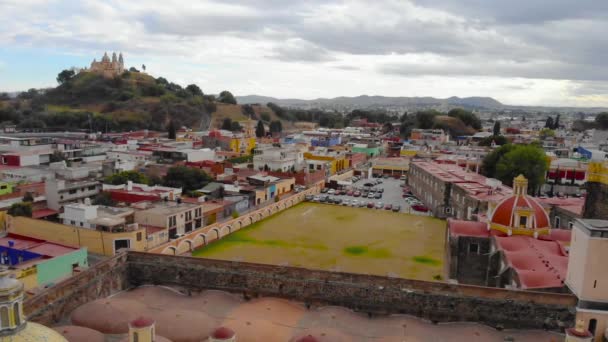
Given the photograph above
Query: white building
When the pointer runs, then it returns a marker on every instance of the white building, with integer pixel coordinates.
(278, 158)
(98, 217)
(60, 192)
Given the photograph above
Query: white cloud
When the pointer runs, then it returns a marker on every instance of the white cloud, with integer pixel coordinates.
(332, 48)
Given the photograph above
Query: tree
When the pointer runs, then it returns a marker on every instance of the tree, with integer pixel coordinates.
(171, 130)
(276, 126)
(488, 165)
(187, 178)
(556, 122)
(194, 90)
(28, 197)
(20, 209)
(546, 132)
(4, 96)
(125, 176)
(105, 199)
(132, 69)
(387, 128)
(265, 117)
(496, 129)
(529, 160)
(549, 123)
(248, 111)
(425, 119)
(226, 97)
(497, 139)
(227, 124)
(601, 120)
(259, 130)
(468, 118)
(65, 76)
(235, 126)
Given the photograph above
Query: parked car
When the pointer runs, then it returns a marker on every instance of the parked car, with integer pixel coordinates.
(331, 191)
(420, 207)
(316, 198)
(403, 177)
(309, 197)
(388, 207)
(370, 204)
(365, 193)
(357, 193)
(361, 204)
(381, 190)
(324, 190)
(349, 193)
(370, 195)
(338, 201)
(346, 202)
(385, 177)
(379, 205)
(354, 203)
(378, 195)
(396, 208)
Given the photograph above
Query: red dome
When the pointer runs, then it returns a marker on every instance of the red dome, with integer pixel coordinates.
(142, 322)
(222, 333)
(308, 338)
(504, 213)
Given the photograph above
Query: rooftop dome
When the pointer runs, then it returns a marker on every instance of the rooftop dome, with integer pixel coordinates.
(520, 213)
(223, 333)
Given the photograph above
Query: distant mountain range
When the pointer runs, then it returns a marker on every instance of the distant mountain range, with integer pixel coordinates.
(410, 103)
(365, 101)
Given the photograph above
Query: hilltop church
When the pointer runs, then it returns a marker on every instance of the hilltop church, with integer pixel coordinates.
(106, 67)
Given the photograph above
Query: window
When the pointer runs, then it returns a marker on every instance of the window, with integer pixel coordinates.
(135, 337)
(474, 248)
(570, 224)
(92, 187)
(73, 191)
(557, 221)
(17, 314)
(592, 325)
(594, 284)
(523, 221)
(139, 236)
(4, 321)
(73, 222)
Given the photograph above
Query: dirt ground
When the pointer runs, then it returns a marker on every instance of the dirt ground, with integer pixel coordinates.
(337, 238)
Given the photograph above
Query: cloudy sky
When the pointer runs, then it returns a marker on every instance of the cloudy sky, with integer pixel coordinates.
(532, 52)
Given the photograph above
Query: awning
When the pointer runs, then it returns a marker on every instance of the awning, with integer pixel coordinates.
(43, 213)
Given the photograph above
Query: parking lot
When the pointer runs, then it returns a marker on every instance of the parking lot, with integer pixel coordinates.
(390, 189)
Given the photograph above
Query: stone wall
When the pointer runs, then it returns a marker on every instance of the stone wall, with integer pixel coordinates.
(100, 281)
(596, 201)
(441, 302)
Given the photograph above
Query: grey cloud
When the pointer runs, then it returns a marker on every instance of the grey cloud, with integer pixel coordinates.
(301, 51)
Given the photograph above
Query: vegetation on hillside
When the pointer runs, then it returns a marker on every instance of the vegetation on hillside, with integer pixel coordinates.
(88, 101)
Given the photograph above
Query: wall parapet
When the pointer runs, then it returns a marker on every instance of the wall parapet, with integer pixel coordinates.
(434, 301)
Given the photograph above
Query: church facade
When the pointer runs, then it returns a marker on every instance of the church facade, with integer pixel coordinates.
(107, 67)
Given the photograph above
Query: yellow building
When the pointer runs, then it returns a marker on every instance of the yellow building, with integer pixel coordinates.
(336, 162)
(98, 242)
(242, 145)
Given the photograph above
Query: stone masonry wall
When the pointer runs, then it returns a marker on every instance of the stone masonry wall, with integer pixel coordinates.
(100, 281)
(441, 302)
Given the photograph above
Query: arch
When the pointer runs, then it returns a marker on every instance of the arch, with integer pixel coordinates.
(268, 212)
(217, 233)
(4, 317)
(169, 250)
(251, 219)
(184, 246)
(199, 240)
(291, 202)
(17, 313)
(239, 224)
(225, 230)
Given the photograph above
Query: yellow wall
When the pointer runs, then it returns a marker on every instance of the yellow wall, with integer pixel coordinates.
(28, 276)
(408, 153)
(337, 164)
(285, 185)
(235, 144)
(95, 241)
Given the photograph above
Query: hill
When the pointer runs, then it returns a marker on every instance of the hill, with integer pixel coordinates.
(134, 100)
(369, 102)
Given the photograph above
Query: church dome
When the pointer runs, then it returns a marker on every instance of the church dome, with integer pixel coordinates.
(34, 332)
(520, 213)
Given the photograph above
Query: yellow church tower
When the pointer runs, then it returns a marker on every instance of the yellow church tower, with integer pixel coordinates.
(13, 326)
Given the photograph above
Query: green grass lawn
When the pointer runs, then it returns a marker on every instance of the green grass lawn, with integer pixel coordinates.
(331, 237)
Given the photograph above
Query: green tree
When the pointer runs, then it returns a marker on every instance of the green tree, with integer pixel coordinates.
(194, 90)
(28, 197)
(468, 118)
(496, 129)
(235, 126)
(488, 165)
(276, 126)
(248, 111)
(171, 130)
(601, 120)
(187, 178)
(260, 130)
(556, 122)
(227, 124)
(549, 123)
(4, 96)
(497, 139)
(529, 160)
(226, 97)
(426, 119)
(265, 117)
(124, 176)
(65, 76)
(105, 199)
(20, 209)
(235, 214)
(545, 133)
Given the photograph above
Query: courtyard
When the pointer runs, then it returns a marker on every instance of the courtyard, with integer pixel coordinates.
(339, 238)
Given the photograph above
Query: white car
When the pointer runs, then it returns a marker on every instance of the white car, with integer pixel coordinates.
(354, 203)
(331, 191)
